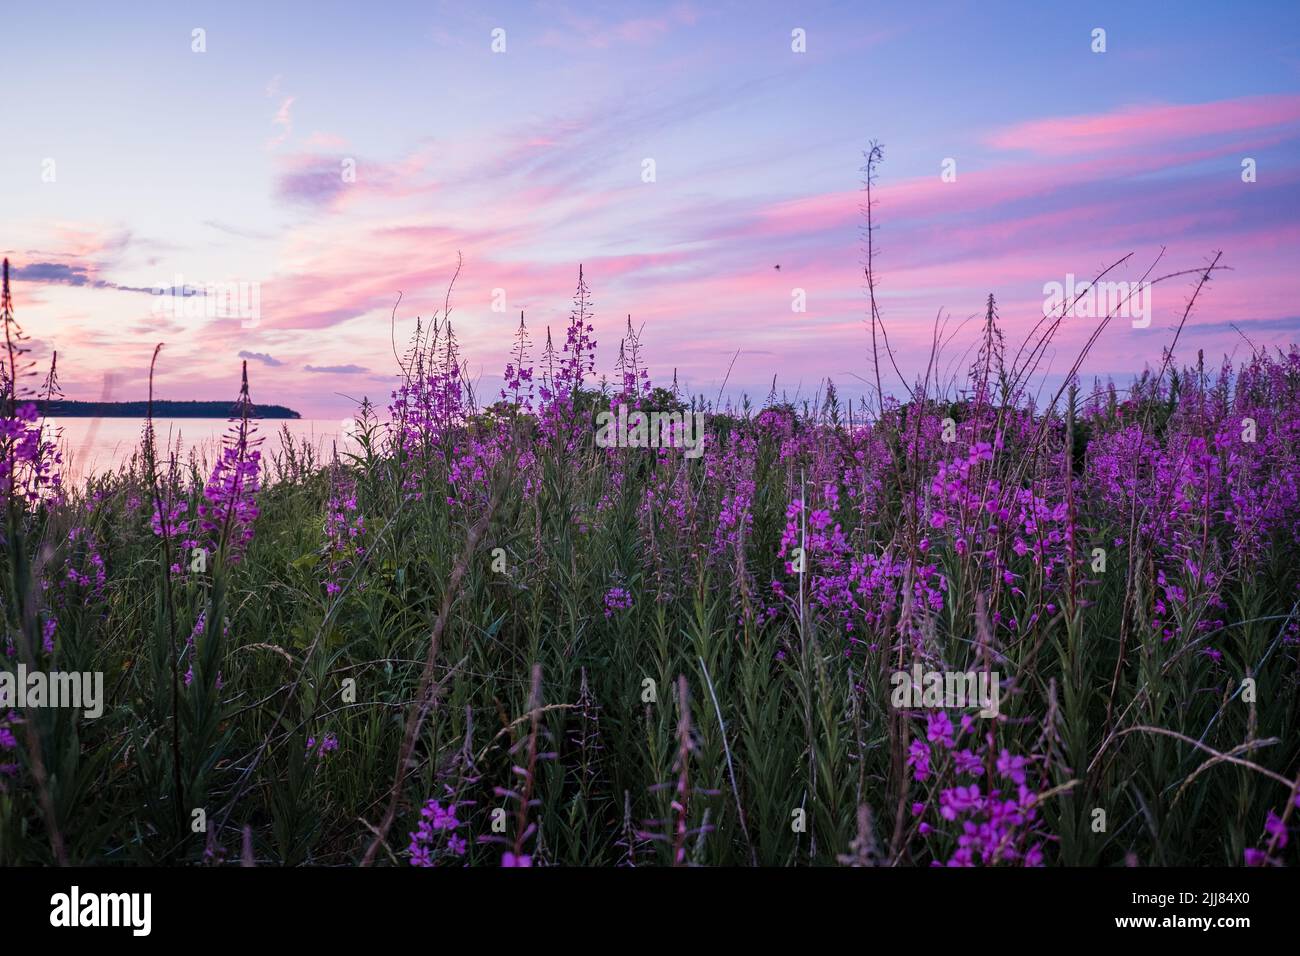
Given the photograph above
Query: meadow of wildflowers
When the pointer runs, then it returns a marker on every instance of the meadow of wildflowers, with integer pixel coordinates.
(483, 639)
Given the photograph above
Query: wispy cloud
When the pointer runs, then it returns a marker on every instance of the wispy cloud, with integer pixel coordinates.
(236, 230)
(326, 180)
(600, 34)
(261, 357)
(283, 118)
(311, 181)
(1286, 323)
(1133, 127)
(61, 273)
(336, 369)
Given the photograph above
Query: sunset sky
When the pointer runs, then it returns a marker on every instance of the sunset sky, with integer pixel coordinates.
(225, 166)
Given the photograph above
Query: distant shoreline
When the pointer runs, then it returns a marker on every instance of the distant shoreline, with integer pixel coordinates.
(62, 408)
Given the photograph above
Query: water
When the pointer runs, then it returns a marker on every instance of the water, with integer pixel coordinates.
(96, 445)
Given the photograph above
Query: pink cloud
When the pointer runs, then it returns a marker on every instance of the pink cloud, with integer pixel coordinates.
(283, 118)
(324, 181)
(599, 34)
(1137, 126)
(325, 141)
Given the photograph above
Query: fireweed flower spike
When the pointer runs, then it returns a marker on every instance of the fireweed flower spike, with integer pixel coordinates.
(229, 506)
(345, 529)
(29, 460)
(29, 484)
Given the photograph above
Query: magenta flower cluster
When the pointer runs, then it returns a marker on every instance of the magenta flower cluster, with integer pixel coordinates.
(617, 599)
(987, 813)
(1275, 840)
(345, 529)
(436, 836)
(229, 504)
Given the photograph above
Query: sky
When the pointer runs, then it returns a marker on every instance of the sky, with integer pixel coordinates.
(319, 158)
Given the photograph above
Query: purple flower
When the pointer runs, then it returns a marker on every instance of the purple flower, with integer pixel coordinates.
(918, 757)
(958, 800)
(967, 762)
(437, 823)
(1012, 767)
(1276, 829)
(229, 508)
(328, 744)
(939, 728)
(345, 528)
(617, 599)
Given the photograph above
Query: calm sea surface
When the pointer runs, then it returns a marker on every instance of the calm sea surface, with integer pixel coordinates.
(96, 445)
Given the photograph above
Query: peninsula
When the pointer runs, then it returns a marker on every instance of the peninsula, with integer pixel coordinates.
(61, 408)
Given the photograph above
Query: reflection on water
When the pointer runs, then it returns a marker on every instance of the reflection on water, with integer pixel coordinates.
(96, 445)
